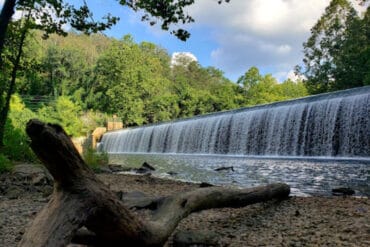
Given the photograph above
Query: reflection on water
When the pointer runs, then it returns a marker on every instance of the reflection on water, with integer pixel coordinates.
(306, 177)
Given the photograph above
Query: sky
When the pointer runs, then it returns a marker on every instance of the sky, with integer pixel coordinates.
(232, 36)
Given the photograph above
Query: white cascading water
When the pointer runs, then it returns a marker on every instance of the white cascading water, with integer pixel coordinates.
(334, 125)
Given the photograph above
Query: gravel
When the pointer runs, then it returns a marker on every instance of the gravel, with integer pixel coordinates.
(298, 221)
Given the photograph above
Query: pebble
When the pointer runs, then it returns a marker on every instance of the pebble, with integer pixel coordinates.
(267, 224)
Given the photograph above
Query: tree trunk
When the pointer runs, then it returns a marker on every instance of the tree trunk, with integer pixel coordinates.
(5, 17)
(80, 199)
(5, 109)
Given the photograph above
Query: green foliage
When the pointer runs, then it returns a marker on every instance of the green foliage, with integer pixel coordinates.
(66, 113)
(49, 16)
(19, 114)
(134, 81)
(95, 159)
(16, 144)
(63, 112)
(5, 164)
(291, 90)
(124, 78)
(251, 78)
(352, 63)
(165, 12)
(203, 90)
(51, 19)
(259, 89)
(15, 138)
(336, 55)
(12, 62)
(91, 120)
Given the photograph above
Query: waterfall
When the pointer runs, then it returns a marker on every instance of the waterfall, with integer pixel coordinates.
(333, 124)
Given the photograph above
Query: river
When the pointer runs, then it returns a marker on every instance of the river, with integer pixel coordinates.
(306, 176)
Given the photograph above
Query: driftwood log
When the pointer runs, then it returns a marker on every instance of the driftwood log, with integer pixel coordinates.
(80, 199)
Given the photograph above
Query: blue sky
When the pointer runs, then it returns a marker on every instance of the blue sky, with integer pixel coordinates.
(232, 37)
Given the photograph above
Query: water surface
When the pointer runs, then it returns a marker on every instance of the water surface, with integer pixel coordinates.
(305, 176)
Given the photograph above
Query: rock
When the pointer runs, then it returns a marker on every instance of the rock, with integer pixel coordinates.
(26, 179)
(141, 170)
(31, 174)
(40, 179)
(226, 168)
(14, 192)
(195, 238)
(46, 190)
(171, 173)
(119, 194)
(342, 191)
(145, 169)
(148, 166)
(118, 168)
(84, 238)
(204, 184)
(104, 169)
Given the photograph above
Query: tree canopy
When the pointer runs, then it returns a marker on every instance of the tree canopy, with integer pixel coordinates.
(336, 55)
(79, 79)
(50, 16)
(261, 89)
(135, 81)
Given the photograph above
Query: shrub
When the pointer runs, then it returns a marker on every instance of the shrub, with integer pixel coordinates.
(5, 164)
(63, 112)
(15, 138)
(16, 144)
(94, 159)
(91, 120)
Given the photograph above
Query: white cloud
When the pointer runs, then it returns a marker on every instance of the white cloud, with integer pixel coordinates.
(18, 15)
(280, 75)
(263, 33)
(294, 77)
(275, 49)
(258, 33)
(267, 17)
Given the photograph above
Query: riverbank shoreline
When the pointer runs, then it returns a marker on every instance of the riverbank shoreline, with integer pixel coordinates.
(297, 221)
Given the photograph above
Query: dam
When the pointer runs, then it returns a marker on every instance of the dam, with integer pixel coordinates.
(326, 125)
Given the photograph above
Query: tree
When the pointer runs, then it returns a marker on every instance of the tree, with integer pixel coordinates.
(65, 113)
(202, 90)
(352, 63)
(29, 79)
(325, 44)
(6, 13)
(262, 89)
(50, 16)
(60, 65)
(265, 91)
(251, 78)
(130, 81)
(292, 89)
(8, 85)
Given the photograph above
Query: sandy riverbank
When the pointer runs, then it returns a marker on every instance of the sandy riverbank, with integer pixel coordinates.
(309, 221)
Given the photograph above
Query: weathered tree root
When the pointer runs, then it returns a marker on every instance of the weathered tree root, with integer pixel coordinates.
(80, 199)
